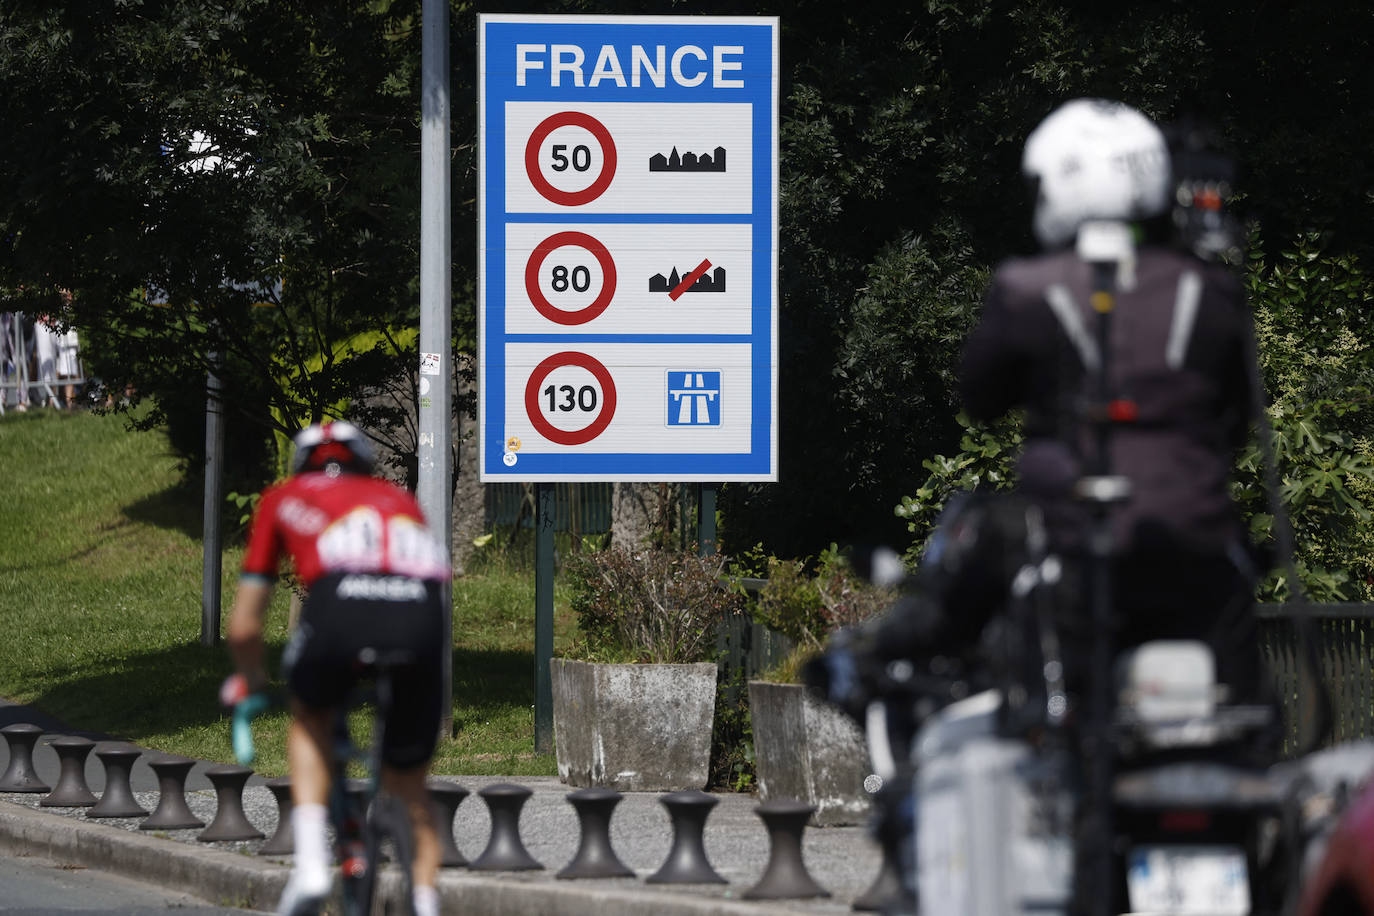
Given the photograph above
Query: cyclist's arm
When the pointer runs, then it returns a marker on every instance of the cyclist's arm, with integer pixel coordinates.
(244, 632)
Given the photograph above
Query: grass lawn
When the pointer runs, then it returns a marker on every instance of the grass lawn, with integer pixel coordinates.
(100, 581)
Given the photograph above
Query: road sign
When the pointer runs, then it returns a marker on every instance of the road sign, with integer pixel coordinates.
(627, 224)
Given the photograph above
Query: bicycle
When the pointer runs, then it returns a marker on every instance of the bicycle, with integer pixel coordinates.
(361, 814)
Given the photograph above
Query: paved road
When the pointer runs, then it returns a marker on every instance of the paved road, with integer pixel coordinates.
(39, 887)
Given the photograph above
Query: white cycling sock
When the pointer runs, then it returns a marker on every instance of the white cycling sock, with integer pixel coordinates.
(426, 900)
(310, 878)
(308, 829)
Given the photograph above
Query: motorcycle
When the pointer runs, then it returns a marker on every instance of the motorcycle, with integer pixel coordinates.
(985, 804)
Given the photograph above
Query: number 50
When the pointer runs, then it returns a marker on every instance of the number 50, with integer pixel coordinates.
(581, 158)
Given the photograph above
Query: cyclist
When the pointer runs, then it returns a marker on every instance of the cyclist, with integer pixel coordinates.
(373, 572)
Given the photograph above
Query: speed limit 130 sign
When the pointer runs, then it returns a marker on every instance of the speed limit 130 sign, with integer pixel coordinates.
(627, 226)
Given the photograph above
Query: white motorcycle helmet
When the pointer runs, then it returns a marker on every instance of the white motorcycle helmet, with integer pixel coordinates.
(1093, 159)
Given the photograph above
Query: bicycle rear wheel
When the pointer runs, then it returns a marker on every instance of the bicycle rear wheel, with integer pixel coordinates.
(387, 819)
(358, 856)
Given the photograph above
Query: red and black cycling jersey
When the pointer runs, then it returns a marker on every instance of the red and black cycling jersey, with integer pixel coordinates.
(348, 523)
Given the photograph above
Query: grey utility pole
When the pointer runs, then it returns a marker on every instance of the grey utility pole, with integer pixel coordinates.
(212, 563)
(435, 489)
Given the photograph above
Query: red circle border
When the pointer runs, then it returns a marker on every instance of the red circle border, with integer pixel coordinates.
(541, 302)
(576, 436)
(608, 158)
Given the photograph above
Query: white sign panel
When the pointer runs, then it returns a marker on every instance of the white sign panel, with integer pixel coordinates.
(627, 225)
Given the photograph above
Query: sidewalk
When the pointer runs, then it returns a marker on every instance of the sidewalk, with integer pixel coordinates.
(841, 859)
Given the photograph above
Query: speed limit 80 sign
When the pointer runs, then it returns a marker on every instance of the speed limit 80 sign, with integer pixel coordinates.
(627, 224)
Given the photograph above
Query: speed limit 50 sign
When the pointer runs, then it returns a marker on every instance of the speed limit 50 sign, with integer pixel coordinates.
(627, 226)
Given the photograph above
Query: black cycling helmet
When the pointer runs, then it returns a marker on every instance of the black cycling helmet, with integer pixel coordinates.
(339, 443)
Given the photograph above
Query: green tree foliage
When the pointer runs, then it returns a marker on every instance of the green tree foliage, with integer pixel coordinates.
(901, 132)
(205, 150)
(1312, 310)
(901, 137)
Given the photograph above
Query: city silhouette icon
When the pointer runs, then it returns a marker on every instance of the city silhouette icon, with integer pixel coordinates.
(688, 162)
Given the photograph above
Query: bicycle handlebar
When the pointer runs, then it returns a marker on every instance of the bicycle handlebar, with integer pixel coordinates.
(241, 725)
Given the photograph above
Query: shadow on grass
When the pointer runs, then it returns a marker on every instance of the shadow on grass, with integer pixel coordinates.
(175, 690)
(179, 507)
(484, 679)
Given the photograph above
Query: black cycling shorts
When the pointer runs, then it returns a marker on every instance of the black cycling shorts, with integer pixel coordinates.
(348, 612)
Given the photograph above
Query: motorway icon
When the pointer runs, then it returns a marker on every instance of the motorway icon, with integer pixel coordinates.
(693, 397)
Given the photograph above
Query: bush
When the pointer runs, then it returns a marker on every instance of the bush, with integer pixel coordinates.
(648, 605)
(807, 609)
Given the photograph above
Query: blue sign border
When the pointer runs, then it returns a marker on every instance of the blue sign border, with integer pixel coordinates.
(758, 38)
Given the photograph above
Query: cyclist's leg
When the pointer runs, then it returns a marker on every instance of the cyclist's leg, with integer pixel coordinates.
(408, 785)
(412, 730)
(308, 754)
(318, 676)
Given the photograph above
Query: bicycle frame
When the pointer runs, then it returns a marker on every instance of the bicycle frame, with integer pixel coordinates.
(360, 818)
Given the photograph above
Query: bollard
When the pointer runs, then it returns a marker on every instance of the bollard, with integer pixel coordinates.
(118, 798)
(447, 796)
(230, 823)
(595, 858)
(172, 812)
(785, 877)
(282, 842)
(20, 776)
(687, 862)
(504, 850)
(887, 893)
(71, 790)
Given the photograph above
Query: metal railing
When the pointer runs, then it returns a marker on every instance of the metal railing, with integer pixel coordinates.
(580, 508)
(1344, 644)
(19, 357)
(1343, 633)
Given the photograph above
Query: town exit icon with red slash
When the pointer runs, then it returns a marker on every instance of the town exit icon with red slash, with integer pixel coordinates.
(688, 280)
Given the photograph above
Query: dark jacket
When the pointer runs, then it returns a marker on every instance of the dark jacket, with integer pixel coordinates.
(1180, 353)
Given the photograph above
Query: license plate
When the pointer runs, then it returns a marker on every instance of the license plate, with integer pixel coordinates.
(1188, 879)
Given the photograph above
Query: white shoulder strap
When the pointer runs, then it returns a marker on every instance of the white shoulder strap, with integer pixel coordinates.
(1185, 315)
(1061, 303)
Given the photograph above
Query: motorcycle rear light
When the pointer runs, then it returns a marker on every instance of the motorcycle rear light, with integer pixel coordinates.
(1184, 821)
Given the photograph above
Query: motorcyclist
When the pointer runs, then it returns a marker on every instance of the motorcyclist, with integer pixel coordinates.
(1181, 405)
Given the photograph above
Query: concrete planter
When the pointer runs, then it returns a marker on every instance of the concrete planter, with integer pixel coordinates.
(633, 728)
(807, 749)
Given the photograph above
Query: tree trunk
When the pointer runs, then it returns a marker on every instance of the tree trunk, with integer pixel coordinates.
(469, 503)
(644, 513)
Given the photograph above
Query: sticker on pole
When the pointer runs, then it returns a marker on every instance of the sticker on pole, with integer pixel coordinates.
(570, 158)
(570, 398)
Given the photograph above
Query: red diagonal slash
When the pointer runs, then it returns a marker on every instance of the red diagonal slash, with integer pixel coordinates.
(688, 280)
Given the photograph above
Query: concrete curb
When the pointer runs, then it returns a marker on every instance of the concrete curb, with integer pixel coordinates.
(233, 879)
(211, 874)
